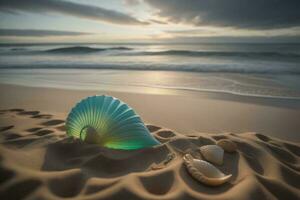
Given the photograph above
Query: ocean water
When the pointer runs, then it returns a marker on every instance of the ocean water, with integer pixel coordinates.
(265, 70)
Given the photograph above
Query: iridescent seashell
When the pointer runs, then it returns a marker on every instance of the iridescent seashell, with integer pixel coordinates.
(109, 122)
(204, 171)
(227, 145)
(212, 153)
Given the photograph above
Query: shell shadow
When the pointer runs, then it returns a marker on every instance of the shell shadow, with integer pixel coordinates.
(68, 185)
(102, 162)
(21, 189)
(154, 185)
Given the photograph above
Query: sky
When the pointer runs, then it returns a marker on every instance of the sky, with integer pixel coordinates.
(153, 21)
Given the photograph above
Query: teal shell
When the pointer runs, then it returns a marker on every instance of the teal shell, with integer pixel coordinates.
(109, 122)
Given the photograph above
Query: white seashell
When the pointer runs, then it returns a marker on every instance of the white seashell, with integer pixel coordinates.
(212, 153)
(204, 171)
(227, 145)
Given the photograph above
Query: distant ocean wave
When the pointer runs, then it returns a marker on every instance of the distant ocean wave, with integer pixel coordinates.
(217, 54)
(201, 68)
(127, 51)
(264, 60)
(82, 49)
(61, 50)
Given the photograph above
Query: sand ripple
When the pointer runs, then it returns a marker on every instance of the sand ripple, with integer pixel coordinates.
(38, 161)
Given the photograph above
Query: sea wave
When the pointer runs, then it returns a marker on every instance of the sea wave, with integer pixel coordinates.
(127, 51)
(216, 54)
(201, 68)
(83, 49)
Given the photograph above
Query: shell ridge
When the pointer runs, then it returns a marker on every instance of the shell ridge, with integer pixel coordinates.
(132, 119)
(104, 115)
(115, 124)
(86, 110)
(77, 114)
(100, 100)
(107, 115)
(122, 109)
(120, 104)
(72, 119)
(128, 127)
(78, 117)
(135, 133)
(98, 114)
(120, 123)
(93, 112)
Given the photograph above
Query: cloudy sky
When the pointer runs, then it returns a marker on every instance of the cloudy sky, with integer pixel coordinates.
(149, 21)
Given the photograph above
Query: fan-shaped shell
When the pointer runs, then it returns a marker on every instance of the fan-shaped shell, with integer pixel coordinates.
(227, 145)
(109, 122)
(205, 172)
(212, 153)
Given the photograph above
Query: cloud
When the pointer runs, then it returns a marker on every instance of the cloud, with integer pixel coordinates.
(131, 2)
(248, 14)
(38, 33)
(155, 21)
(191, 31)
(235, 39)
(69, 8)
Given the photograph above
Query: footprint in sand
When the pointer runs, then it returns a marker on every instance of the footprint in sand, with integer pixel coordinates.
(293, 148)
(16, 110)
(164, 135)
(152, 128)
(11, 136)
(42, 116)
(53, 122)
(31, 130)
(5, 128)
(94, 187)
(19, 190)
(29, 113)
(6, 174)
(68, 185)
(61, 128)
(219, 137)
(43, 132)
(155, 185)
(262, 137)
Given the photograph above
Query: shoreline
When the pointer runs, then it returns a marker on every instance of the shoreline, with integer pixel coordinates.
(187, 112)
(158, 82)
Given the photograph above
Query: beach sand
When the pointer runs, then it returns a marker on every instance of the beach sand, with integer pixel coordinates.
(38, 160)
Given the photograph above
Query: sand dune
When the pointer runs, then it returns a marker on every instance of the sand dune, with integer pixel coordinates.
(38, 161)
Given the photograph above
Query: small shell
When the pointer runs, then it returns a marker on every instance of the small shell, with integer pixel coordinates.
(212, 153)
(227, 145)
(204, 171)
